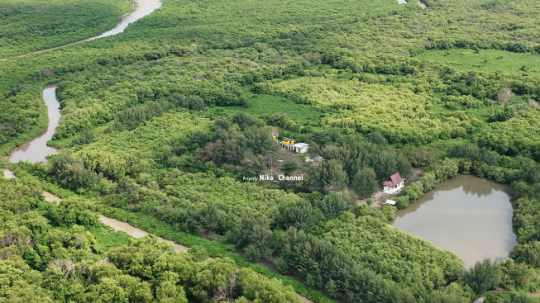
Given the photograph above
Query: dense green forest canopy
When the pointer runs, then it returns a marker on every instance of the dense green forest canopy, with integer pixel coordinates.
(161, 122)
(51, 254)
(33, 25)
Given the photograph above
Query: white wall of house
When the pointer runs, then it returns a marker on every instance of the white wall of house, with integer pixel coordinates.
(301, 148)
(393, 189)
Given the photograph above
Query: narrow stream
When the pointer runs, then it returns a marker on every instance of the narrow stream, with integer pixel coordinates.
(142, 8)
(422, 4)
(36, 149)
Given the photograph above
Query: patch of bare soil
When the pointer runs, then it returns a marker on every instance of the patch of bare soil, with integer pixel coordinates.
(417, 173)
(378, 199)
(288, 155)
(51, 198)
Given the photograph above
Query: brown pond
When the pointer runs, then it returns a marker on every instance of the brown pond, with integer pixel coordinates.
(469, 216)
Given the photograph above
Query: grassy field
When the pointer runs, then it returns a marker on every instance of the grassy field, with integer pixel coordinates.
(32, 25)
(269, 104)
(486, 60)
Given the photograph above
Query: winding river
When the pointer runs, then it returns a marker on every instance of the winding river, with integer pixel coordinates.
(469, 216)
(141, 8)
(36, 149)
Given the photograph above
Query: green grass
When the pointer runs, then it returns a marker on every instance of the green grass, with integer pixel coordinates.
(108, 239)
(269, 104)
(485, 60)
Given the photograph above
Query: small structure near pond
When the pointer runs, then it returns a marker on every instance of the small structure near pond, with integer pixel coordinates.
(394, 185)
(390, 202)
(301, 148)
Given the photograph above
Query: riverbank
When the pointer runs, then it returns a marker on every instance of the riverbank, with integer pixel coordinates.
(35, 148)
(139, 9)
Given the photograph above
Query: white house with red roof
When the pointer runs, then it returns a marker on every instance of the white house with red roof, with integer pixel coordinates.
(395, 184)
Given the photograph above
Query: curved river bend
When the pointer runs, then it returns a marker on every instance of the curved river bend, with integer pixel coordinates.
(36, 149)
(469, 216)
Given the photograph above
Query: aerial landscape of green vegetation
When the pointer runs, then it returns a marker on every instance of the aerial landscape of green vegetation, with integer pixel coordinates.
(32, 25)
(161, 124)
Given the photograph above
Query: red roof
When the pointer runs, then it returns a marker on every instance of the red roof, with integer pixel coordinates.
(395, 180)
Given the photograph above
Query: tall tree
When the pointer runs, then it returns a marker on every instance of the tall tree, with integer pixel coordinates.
(289, 167)
(483, 276)
(329, 175)
(365, 182)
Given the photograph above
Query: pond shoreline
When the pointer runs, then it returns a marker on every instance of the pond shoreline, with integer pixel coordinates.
(467, 215)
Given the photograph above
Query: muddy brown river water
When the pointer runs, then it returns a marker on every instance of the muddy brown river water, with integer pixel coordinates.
(469, 216)
(36, 149)
(142, 9)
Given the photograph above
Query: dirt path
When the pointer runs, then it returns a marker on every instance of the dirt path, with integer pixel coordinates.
(125, 227)
(136, 232)
(51, 198)
(417, 173)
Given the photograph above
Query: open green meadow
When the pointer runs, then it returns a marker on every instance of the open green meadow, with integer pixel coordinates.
(486, 60)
